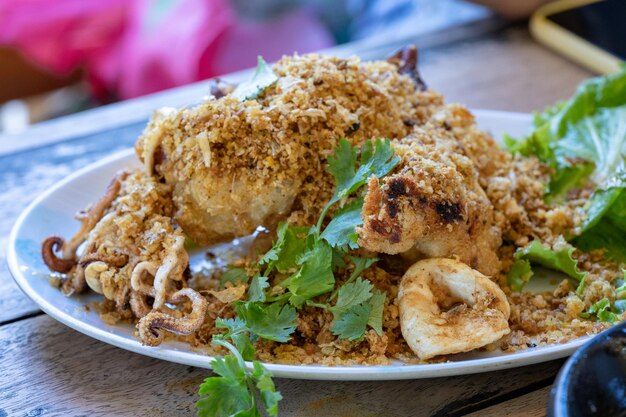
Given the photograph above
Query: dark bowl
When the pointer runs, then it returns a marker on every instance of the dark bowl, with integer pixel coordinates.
(593, 381)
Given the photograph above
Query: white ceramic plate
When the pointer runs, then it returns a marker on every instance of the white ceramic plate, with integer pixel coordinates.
(52, 213)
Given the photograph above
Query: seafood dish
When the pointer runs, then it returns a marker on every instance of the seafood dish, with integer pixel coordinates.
(380, 223)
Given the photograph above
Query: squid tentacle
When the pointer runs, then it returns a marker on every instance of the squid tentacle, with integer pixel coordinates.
(150, 327)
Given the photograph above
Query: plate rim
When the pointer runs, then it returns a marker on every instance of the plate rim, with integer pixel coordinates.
(311, 372)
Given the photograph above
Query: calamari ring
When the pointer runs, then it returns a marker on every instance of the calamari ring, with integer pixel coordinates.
(447, 307)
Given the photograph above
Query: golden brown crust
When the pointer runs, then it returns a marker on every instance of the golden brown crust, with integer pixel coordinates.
(447, 307)
(235, 165)
(433, 203)
(222, 168)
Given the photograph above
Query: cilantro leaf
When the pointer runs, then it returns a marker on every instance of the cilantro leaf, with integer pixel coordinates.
(238, 332)
(351, 324)
(235, 391)
(377, 305)
(342, 165)
(287, 249)
(338, 259)
(227, 394)
(378, 161)
(235, 276)
(315, 276)
(382, 161)
(269, 396)
(272, 322)
(361, 264)
(256, 290)
(263, 77)
(341, 231)
(375, 160)
(352, 294)
(559, 259)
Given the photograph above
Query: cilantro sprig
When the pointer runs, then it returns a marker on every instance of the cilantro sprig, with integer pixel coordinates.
(301, 264)
(376, 159)
(237, 391)
(305, 259)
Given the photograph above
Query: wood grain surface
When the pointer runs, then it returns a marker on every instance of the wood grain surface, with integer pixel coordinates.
(56, 371)
(532, 404)
(49, 369)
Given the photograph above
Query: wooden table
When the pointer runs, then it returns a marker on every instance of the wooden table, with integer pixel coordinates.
(49, 369)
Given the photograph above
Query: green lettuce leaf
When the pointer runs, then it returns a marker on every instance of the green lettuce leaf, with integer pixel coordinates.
(605, 226)
(584, 140)
(559, 259)
(591, 96)
(620, 287)
(602, 310)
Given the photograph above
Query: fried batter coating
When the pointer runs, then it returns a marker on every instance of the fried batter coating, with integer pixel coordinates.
(221, 169)
(135, 256)
(515, 185)
(138, 227)
(447, 307)
(434, 203)
(236, 165)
